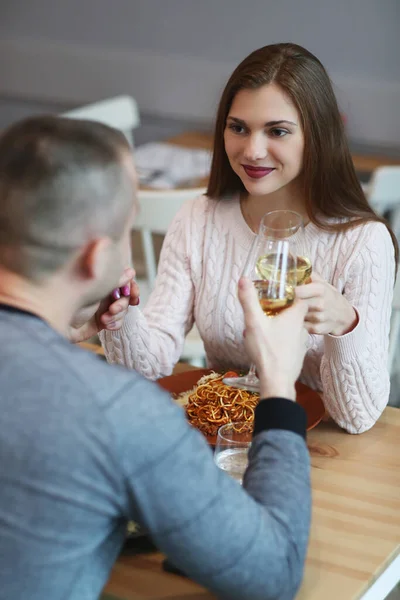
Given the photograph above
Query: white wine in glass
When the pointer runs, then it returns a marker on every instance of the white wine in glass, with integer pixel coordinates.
(289, 225)
(271, 300)
(303, 269)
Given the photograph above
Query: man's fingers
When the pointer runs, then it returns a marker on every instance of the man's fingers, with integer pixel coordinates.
(296, 313)
(248, 298)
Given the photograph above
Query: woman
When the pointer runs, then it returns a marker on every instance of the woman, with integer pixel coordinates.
(279, 144)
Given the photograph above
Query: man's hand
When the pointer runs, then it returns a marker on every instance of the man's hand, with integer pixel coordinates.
(276, 345)
(328, 310)
(109, 313)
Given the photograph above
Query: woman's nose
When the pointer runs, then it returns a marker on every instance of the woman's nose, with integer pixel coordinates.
(256, 148)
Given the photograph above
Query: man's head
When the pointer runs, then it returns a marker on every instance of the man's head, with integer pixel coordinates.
(66, 201)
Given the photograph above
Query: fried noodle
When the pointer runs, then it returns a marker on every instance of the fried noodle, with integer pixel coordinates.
(212, 404)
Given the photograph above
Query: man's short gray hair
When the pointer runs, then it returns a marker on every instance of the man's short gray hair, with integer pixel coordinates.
(62, 183)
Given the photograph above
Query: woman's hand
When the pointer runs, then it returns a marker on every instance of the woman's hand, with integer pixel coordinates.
(328, 310)
(112, 310)
(109, 313)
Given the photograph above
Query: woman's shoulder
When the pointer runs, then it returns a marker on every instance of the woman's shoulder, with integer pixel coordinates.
(351, 231)
(352, 243)
(373, 243)
(358, 247)
(368, 233)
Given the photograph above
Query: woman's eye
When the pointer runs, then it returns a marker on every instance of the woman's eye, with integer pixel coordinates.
(236, 128)
(278, 132)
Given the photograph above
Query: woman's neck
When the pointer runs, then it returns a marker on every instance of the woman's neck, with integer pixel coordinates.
(255, 207)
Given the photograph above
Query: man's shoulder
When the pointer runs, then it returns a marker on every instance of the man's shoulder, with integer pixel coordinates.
(47, 359)
(110, 389)
(68, 397)
(99, 378)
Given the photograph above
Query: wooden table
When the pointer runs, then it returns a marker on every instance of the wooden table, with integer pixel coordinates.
(354, 549)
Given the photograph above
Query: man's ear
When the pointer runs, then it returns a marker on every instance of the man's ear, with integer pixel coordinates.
(94, 258)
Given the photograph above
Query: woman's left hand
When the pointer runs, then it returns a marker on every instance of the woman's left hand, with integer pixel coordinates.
(328, 310)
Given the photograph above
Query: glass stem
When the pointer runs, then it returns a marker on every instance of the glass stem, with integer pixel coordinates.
(251, 376)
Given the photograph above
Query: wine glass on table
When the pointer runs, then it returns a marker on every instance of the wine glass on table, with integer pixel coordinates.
(271, 265)
(289, 225)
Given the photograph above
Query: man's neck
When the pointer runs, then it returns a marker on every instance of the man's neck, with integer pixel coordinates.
(47, 301)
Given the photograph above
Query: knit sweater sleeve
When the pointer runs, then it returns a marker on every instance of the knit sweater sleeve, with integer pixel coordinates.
(151, 341)
(354, 369)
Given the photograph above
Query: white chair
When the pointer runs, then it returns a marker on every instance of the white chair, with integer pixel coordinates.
(157, 209)
(120, 112)
(384, 194)
(384, 189)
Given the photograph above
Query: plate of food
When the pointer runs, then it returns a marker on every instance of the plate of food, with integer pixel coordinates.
(209, 403)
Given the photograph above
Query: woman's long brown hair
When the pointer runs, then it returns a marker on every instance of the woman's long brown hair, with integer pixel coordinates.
(331, 187)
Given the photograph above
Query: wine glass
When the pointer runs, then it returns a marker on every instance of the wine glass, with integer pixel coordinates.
(271, 265)
(232, 447)
(289, 225)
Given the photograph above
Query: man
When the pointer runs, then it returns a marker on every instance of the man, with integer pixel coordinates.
(86, 446)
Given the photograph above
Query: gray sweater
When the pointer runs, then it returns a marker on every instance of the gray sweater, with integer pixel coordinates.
(85, 447)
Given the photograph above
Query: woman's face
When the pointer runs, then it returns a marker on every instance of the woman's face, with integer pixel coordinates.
(263, 139)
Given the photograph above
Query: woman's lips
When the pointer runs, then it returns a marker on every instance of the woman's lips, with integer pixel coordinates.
(257, 172)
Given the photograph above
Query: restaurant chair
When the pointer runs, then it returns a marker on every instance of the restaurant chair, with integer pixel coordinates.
(384, 189)
(120, 112)
(157, 209)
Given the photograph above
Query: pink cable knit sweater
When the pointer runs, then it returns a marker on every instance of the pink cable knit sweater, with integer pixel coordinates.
(201, 261)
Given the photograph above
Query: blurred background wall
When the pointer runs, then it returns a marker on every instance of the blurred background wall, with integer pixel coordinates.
(174, 56)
